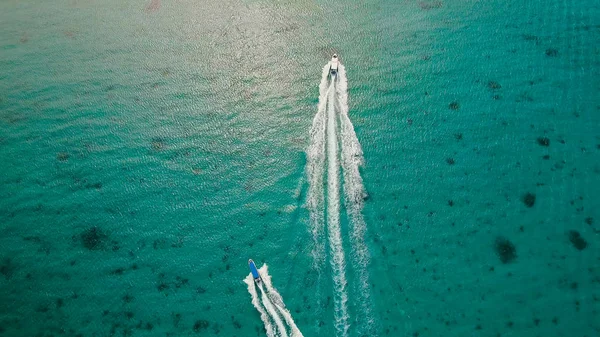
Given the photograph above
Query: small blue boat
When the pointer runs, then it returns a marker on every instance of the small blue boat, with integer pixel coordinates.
(254, 271)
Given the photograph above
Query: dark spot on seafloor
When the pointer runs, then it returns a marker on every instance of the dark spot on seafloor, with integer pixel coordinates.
(176, 319)
(62, 156)
(93, 186)
(236, 323)
(7, 268)
(505, 250)
(43, 308)
(493, 85)
(128, 298)
(552, 52)
(529, 199)
(478, 327)
(450, 203)
(216, 327)
(529, 37)
(158, 143)
(536, 321)
(510, 324)
(129, 314)
(577, 240)
(574, 285)
(589, 220)
(458, 136)
(148, 326)
(93, 238)
(162, 286)
(181, 281)
(543, 141)
(428, 5)
(454, 105)
(546, 157)
(200, 290)
(450, 161)
(555, 320)
(60, 302)
(200, 325)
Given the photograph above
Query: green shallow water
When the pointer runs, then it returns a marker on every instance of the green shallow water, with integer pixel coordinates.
(150, 148)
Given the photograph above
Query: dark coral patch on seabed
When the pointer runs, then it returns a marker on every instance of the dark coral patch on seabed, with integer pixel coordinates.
(577, 240)
(93, 238)
(543, 141)
(506, 250)
(7, 268)
(201, 325)
(529, 199)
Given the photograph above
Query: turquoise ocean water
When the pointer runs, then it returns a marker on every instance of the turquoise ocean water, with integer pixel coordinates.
(149, 148)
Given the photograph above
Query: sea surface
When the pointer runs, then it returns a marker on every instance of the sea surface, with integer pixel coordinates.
(149, 148)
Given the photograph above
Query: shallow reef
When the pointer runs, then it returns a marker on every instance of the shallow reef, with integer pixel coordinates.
(529, 199)
(552, 52)
(7, 268)
(93, 238)
(506, 250)
(200, 325)
(577, 240)
(543, 141)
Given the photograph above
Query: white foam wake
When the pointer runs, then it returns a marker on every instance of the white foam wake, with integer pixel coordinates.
(277, 300)
(333, 220)
(315, 168)
(249, 280)
(274, 315)
(270, 306)
(352, 159)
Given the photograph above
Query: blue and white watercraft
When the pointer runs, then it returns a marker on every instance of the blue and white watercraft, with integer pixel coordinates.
(254, 271)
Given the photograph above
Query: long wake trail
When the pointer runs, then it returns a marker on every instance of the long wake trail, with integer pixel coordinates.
(277, 300)
(315, 167)
(333, 220)
(270, 306)
(352, 160)
(249, 280)
(274, 315)
(315, 170)
(323, 202)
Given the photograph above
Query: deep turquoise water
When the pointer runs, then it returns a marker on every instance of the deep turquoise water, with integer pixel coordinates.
(150, 148)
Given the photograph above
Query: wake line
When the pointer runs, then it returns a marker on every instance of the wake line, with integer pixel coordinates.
(316, 194)
(333, 220)
(271, 310)
(270, 305)
(338, 145)
(352, 159)
(249, 280)
(315, 169)
(278, 301)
